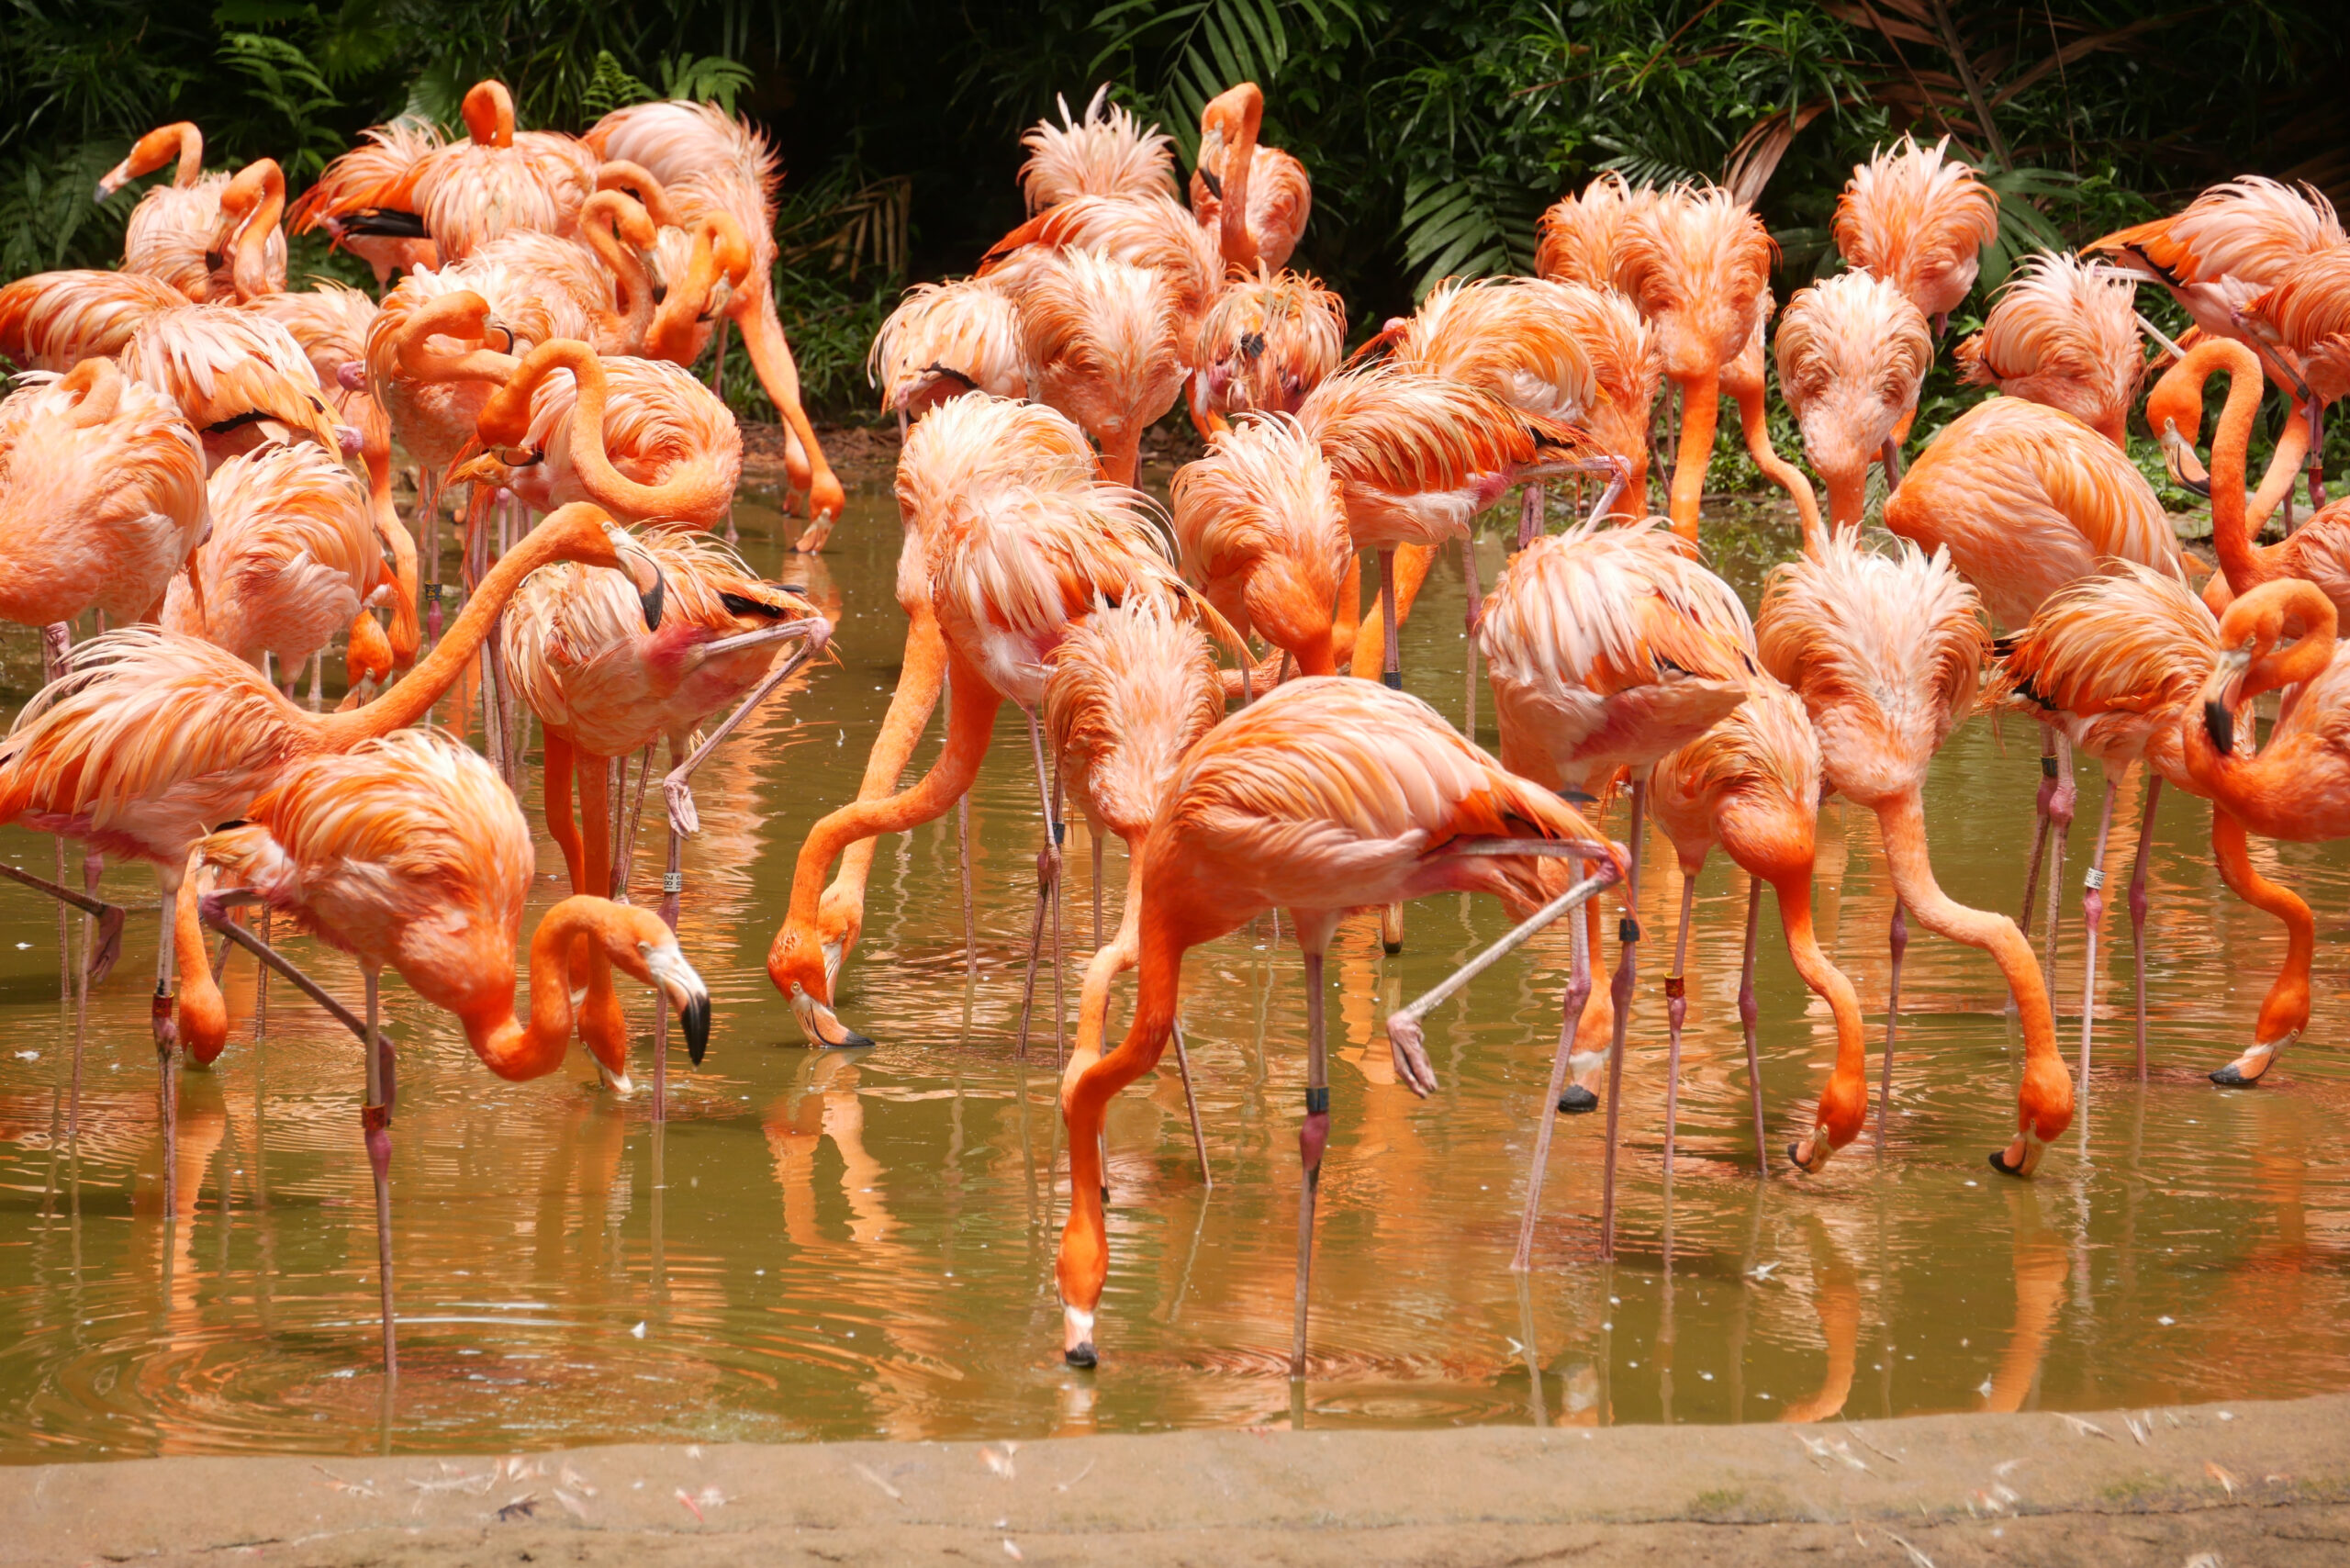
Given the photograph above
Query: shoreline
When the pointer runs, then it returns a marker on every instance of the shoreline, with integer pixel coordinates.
(2121, 1488)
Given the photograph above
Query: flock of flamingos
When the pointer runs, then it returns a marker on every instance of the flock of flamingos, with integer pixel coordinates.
(206, 460)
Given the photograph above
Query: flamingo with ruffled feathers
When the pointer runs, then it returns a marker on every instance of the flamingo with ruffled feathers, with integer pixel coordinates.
(173, 232)
(409, 853)
(1852, 352)
(366, 179)
(1262, 528)
(1255, 200)
(1105, 152)
(944, 339)
(1886, 650)
(1918, 218)
(2121, 661)
(1265, 342)
(55, 321)
(709, 162)
(1322, 795)
(2065, 332)
(1606, 648)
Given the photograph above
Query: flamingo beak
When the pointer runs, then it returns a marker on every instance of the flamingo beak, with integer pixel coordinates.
(822, 1025)
(643, 570)
(682, 988)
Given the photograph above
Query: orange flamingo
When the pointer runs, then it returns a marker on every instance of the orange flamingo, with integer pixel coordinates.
(944, 340)
(1152, 232)
(2306, 317)
(409, 852)
(2316, 552)
(1579, 239)
(1321, 797)
(2218, 254)
(1608, 648)
(1918, 219)
(366, 180)
(1131, 690)
(2121, 661)
(2294, 788)
(239, 378)
(1751, 785)
(711, 163)
(1743, 383)
(1852, 352)
(603, 687)
(602, 268)
(173, 232)
(152, 736)
(1008, 568)
(2065, 332)
(1255, 200)
(292, 555)
(1263, 531)
(1106, 152)
(464, 194)
(1887, 651)
(2026, 499)
(639, 437)
(1697, 261)
(1264, 343)
(1102, 343)
(55, 321)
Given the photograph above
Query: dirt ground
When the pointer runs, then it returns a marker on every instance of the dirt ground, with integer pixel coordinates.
(2233, 1485)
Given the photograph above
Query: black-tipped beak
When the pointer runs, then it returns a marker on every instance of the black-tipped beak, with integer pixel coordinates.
(2221, 725)
(694, 1017)
(850, 1040)
(651, 599)
(2199, 487)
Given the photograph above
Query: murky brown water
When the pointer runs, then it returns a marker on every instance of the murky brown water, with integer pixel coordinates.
(835, 1246)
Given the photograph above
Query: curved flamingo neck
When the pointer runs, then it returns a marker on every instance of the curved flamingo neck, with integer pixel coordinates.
(490, 115)
(1247, 104)
(617, 228)
(635, 180)
(506, 1046)
(2174, 411)
(508, 415)
(574, 533)
(721, 254)
(257, 198)
(460, 315)
(189, 141)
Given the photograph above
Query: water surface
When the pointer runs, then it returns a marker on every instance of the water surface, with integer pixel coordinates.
(827, 1245)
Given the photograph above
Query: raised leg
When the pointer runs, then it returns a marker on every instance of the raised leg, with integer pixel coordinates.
(2138, 909)
(1621, 993)
(1747, 1013)
(2092, 923)
(375, 1117)
(1313, 1136)
(1676, 1013)
(1897, 941)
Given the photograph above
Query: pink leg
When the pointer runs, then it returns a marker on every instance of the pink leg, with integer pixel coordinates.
(1899, 941)
(1570, 1010)
(1313, 1136)
(1676, 1013)
(1746, 1013)
(1621, 993)
(2138, 910)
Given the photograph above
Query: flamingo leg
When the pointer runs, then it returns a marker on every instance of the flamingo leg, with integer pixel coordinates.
(1676, 1013)
(375, 1117)
(2039, 836)
(1096, 838)
(1191, 1104)
(1530, 525)
(428, 519)
(1897, 941)
(1048, 870)
(162, 1012)
(1391, 920)
(1747, 1013)
(2092, 923)
(963, 859)
(1620, 993)
(1570, 1008)
(1472, 615)
(2138, 910)
(1312, 1136)
(2060, 815)
(109, 916)
(318, 679)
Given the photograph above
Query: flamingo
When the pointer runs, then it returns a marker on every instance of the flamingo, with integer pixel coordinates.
(409, 853)
(604, 686)
(602, 266)
(1106, 152)
(2316, 552)
(1697, 261)
(149, 736)
(1918, 218)
(2221, 253)
(1886, 648)
(1751, 785)
(2064, 331)
(2120, 661)
(2026, 499)
(1322, 796)
(944, 340)
(2306, 316)
(1264, 343)
(1009, 567)
(1100, 340)
(1606, 647)
(55, 321)
(1579, 238)
(709, 162)
(240, 378)
(293, 554)
(2294, 788)
(972, 443)
(172, 232)
(1262, 530)
(1151, 231)
(1255, 200)
(366, 179)
(1132, 689)
(639, 437)
(1743, 382)
(1852, 352)
(464, 194)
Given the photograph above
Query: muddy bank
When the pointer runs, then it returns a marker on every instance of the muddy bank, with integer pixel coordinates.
(2252, 1483)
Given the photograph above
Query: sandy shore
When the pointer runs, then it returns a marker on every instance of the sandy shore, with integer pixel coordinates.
(2254, 1484)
